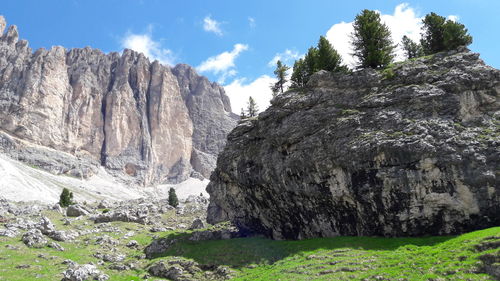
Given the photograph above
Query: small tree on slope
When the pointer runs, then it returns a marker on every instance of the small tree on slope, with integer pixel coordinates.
(280, 73)
(66, 198)
(172, 198)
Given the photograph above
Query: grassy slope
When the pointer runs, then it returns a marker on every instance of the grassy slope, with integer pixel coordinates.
(345, 258)
(348, 258)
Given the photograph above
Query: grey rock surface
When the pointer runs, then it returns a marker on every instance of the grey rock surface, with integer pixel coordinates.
(176, 269)
(414, 150)
(83, 272)
(71, 111)
(34, 239)
(197, 224)
(76, 211)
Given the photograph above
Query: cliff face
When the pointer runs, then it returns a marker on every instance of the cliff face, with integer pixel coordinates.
(413, 150)
(142, 121)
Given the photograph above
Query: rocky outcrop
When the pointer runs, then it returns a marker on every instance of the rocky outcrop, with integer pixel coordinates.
(143, 121)
(411, 150)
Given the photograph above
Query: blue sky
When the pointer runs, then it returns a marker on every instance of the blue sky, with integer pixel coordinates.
(233, 42)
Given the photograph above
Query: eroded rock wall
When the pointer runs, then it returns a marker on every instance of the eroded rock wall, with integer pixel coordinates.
(410, 151)
(132, 116)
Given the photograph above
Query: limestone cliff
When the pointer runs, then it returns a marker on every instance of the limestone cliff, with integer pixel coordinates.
(70, 111)
(412, 150)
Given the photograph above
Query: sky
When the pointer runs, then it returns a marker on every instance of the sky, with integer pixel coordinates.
(235, 43)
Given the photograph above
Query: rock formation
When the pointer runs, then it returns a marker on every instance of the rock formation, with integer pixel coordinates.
(71, 111)
(407, 151)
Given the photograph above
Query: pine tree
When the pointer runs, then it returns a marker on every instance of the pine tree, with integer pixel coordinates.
(440, 34)
(252, 108)
(311, 62)
(432, 37)
(299, 75)
(371, 41)
(411, 48)
(280, 73)
(172, 198)
(324, 57)
(328, 58)
(455, 35)
(243, 114)
(66, 198)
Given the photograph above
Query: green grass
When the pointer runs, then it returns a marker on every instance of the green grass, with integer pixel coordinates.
(344, 258)
(339, 258)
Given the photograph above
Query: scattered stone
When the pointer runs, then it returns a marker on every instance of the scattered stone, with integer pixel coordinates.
(9, 232)
(56, 246)
(197, 224)
(132, 244)
(128, 234)
(62, 236)
(23, 266)
(224, 272)
(22, 223)
(12, 247)
(181, 226)
(106, 240)
(105, 204)
(34, 239)
(158, 229)
(119, 266)
(69, 262)
(110, 257)
(58, 208)
(45, 226)
(84, 272)
(121, 215)
(76, 211)
(177, 269)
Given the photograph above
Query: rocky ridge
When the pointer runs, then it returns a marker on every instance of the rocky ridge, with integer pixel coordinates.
(411, 150)
(72, 111)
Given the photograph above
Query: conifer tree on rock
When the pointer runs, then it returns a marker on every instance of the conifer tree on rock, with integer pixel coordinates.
(299, 75)
(440, 34)
(323, 57)
(172, 198)
(243, 115)
(411, 48)
(252, 108)
(280, 73)
(371, 41)
(66, 198)
(328, 58)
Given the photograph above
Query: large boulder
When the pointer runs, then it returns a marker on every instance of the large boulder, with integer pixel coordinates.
(411, 150)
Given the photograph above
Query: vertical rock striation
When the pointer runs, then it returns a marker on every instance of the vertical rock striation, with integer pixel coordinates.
(145, 122)
(413, 150)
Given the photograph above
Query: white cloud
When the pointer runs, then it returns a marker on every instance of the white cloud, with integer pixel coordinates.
(144, 43)
(239, 91)
(404, 21)
(288, 57)
(454, 18)
(251, 22)
(211, 25)
(223, 64)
